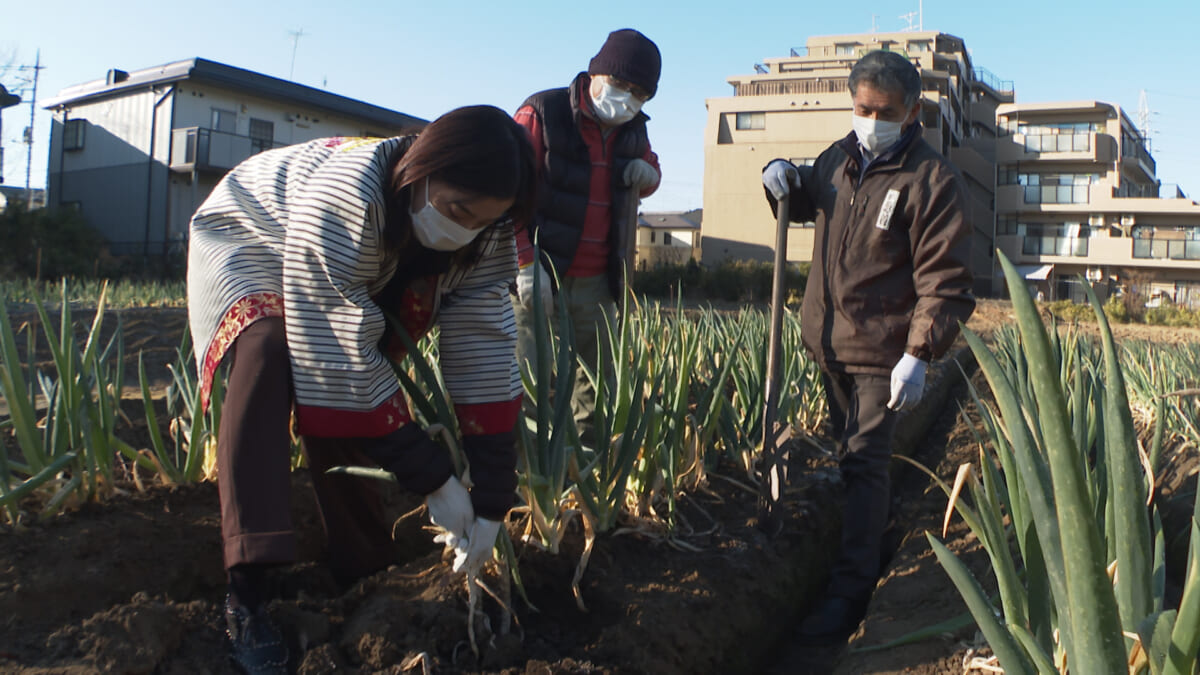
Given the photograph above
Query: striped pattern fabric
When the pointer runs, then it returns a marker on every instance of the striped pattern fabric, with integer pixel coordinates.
(305, 223)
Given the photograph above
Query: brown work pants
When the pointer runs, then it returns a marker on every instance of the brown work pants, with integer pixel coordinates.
(254, 467)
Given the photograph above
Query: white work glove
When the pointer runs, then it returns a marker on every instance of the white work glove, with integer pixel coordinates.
(780, 178)
(525, 286)
(639, 175)
(450, 509)
(471, 554)
(908, 382)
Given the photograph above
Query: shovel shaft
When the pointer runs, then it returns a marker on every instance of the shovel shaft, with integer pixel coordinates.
(773, 467)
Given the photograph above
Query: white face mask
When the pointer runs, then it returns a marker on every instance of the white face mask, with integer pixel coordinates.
(614, 106)
(876, 135)
(437, 231)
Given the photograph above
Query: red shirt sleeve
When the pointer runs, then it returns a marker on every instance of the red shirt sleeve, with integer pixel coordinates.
(652, 159)
(527, 118)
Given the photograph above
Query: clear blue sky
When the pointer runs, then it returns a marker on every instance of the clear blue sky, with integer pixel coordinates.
(425, 58)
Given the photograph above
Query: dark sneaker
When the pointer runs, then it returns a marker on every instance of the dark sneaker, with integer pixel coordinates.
(832, 621)
(256, 645)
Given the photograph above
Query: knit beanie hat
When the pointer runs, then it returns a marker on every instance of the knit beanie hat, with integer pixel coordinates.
(628, 55)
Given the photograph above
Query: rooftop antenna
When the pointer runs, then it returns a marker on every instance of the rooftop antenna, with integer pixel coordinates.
(296, 35)
(909, 17)
(874, 22)
(921, 15)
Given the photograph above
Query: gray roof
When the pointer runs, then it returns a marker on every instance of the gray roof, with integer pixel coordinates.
(210, 72)
(671, 220)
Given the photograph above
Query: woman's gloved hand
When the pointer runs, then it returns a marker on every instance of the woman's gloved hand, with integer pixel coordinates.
(450, 509)
(471, 554)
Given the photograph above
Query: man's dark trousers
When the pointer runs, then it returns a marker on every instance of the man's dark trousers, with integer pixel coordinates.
(863, 425)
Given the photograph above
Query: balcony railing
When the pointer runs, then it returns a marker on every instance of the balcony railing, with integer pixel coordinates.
(776, 87)
(1056, 194)
(1167, 249)
(1051, 245)
(999, 86)
(1058, 143)
(1135, 150)
(201, 149)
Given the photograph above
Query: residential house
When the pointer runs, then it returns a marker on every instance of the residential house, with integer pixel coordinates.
(795, 106)
(137, 152)
(668, 238)
(1078, 197)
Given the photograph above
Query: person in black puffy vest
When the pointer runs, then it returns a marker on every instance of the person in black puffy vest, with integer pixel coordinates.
(590, 141)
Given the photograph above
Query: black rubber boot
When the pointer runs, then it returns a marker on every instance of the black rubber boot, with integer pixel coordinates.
(832, 621)
(256, 644)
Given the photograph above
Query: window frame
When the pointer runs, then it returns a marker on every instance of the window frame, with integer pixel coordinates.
(74, 134)
(755, 121)
(217, 115)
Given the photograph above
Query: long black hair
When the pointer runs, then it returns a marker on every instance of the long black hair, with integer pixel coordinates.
(479, 149)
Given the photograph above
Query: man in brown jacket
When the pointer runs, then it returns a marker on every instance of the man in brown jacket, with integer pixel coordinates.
(889, 284)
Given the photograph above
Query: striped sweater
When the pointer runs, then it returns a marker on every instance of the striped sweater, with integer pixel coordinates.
(297, 232)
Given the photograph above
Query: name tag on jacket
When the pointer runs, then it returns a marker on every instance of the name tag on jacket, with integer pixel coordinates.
(887, 208)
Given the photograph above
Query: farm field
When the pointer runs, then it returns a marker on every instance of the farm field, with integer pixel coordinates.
(134, 584)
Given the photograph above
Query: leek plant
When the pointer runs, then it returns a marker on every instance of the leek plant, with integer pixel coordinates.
(1082, 590)
(547, 438)
(118, 294)
(193, 431)
(802, 397)
(1162, 386)
(71, 450)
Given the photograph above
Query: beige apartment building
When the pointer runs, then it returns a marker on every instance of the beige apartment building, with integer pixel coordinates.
(796, 106)
(1077, 196)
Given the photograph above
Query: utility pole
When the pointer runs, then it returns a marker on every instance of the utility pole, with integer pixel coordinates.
(37, 67)
(296, 35)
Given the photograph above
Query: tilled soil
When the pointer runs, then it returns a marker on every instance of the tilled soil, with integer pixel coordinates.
(135, 585)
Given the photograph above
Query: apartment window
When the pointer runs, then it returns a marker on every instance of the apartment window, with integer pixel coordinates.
(1006, 175)
(224, 120)
(1078, 142)
(751, 120)
(651, 236)
(1166, 243)
(920, 46)
(1057, 188)
(1063, 239)
(73, 134)
(1047, 128)
(846, 49)
(262, 135)
(1187, 294)
(1006, 225)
